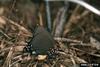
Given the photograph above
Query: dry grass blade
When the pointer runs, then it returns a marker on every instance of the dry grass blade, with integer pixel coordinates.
(18, 48)
(14, 23)
(8, 58)
(86, 5)
(2, 22)
(5, 34)
(73, 61)
(72, 18)
(95, 43)
(15, 62)
(80, 60)
(41, 19)
(73, 42)
(1, 10)
(5, 49)
(55, 62)
(61, 21)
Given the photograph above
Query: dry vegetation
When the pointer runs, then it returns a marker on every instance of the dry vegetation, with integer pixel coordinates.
(75, 29)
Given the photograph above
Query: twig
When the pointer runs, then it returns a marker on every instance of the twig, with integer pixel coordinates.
(66, 40)
(15, 47)
(97, 55)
